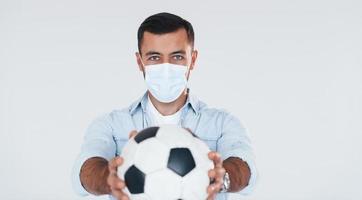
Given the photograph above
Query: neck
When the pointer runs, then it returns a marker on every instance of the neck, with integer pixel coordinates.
(169, 108)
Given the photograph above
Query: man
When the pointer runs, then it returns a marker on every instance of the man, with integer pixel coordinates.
(166, 57)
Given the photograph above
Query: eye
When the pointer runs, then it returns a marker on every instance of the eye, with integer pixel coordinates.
(154, 58)
(178, 57)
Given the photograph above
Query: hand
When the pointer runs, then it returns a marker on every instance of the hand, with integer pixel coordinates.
(115, 183)
(132, 134)
(216, 175)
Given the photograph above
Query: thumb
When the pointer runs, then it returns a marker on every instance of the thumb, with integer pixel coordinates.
(132, 134)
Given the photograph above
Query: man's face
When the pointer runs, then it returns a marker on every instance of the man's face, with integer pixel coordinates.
(166, 48)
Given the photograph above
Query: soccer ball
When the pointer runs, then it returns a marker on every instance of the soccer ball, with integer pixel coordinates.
(165, 163)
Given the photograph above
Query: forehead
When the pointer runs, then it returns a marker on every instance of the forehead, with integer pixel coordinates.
(165, 43)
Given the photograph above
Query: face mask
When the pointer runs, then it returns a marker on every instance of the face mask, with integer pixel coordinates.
(166, 81)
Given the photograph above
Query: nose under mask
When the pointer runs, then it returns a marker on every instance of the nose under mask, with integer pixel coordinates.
(166, 81)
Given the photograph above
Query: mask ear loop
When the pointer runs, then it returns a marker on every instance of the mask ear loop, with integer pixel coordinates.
(186, 91)
(143, 68)
(188, 77)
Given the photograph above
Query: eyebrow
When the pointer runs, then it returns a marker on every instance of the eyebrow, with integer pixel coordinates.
(178, 52)
(152, 53)
(158, 53)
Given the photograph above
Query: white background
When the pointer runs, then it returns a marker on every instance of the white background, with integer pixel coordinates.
(291, 71)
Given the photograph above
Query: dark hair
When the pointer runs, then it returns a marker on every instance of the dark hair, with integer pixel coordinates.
(162, 23)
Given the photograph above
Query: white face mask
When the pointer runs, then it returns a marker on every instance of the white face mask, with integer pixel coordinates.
(166, 81)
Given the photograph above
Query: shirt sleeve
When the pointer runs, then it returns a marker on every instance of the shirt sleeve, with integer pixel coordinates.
(98, 142)
(235, 142)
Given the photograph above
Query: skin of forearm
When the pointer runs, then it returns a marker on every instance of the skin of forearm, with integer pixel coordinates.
(239, 173)
(93, 176)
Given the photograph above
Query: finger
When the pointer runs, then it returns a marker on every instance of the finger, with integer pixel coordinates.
(117, 190)
(132, 134)
(211, 193)
(219, 173)
(212, 173)
(216, 176)
(216, 158)
(118, 194)
(210, 189)
(216, 173)
(116, 183)
(114, 163)
(212, 196)
(214, 188)
(218, 187)
(125, 197)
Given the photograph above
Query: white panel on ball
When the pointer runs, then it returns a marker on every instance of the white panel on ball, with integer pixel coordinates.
(152, 155)
(200, 150)
(163, 185)
(195, 185)
(174, 137)
(140, 197)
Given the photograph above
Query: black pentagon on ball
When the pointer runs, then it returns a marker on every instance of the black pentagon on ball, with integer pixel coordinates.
(135, 180)
(181, 161)
(146, 133)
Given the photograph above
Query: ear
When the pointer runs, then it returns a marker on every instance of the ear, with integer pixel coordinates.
(193, 59)
(139, 61)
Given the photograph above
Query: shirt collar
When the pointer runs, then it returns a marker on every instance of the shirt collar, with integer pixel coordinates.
(142, 102)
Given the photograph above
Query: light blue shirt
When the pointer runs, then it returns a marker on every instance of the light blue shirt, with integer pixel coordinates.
(222, 132)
